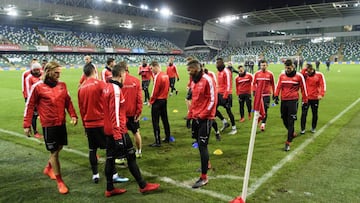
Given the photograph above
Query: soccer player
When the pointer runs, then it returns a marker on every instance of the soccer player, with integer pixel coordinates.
(146, 75)
(88, 60)
(171, 71)
(328, 65)
(23, 77)
(214, 123)
(51, 98)
(90, 101)
(188, 96)
(264, 75)
(133, 105)
(30, 80)
(158, 102)
(106, 73)
(202, 112)
(316, 87)
(288, 86)
(225, 95)
(243, 89)
(118, 142)
(317, 64)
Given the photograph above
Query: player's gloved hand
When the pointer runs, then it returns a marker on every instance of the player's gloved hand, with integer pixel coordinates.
(178, 79)
(276, 99)
(120, 145)
(188, 123)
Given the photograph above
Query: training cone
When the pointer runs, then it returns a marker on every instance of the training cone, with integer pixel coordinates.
(172, 139)
(175, 111)
(195, 145)
(218, 152)
(237, 200)
(145, 119)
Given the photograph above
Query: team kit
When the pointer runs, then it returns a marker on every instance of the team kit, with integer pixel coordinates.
(111, 101)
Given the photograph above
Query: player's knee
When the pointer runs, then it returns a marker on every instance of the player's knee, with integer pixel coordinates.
(130, 154)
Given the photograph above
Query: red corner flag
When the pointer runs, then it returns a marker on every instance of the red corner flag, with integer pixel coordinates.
(258, 100)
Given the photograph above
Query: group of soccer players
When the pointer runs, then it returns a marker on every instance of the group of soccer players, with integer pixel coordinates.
(112, 105)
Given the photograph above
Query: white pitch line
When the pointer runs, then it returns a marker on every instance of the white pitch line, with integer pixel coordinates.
(168, 180)
(293, 153)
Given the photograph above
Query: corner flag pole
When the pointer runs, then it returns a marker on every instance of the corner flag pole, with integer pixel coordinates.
(250, 154)
(259, 113)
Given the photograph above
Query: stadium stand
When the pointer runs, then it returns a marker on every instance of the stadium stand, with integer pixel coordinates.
(19, 35)
(62, 38)
(352, 51)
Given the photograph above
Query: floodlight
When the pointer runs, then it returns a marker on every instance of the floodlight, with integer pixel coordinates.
(166, 12)
(108, 1)
(119, 2)
(156, 10)
(143, 6)
(245, 16)
(12, 13)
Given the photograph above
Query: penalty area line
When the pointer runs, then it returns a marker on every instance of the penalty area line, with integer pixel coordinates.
(168, 180)
(293, 153)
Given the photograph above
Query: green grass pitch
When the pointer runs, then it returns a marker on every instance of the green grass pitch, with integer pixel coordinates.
(327, 170)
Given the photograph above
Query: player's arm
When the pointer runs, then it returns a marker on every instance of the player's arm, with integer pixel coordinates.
(139, 102)
(272, 81)
(70, 108)
(29, 111)
(228, 83)
(156, 90)
(322, 85)
(304, 93)
(114, 115)
(176, 73)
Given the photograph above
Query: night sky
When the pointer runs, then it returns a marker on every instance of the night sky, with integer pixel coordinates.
(206, 9)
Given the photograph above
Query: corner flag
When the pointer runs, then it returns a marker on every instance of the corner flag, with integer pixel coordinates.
(259, 114)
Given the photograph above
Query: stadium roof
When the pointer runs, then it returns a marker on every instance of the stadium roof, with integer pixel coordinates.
(110, 13)
(296, 13)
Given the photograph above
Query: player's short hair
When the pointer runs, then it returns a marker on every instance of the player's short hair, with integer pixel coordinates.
(188, 59)
(220, 59)
(88, 69)
(263, 61)
(109, 60)
(118, 69)
(288, 62)
(240, 66)
(309, 65)
(194, 64)
(154, 63)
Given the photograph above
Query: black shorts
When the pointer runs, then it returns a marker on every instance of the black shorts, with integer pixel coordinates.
(145, 84)
(189, 95)
(226, 103)
(96, 137)
(244, 97)
(132, 125)
(111, 149)
(54, 137)
(201, 131)
(172, 82)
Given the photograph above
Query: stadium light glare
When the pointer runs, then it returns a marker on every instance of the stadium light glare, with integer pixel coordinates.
(129, 4)
(228, 19)
(12, 13)
(143, 6)
(166, 12)
(119, 2)
(109, 1)
(156, 10)
(245, 16)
